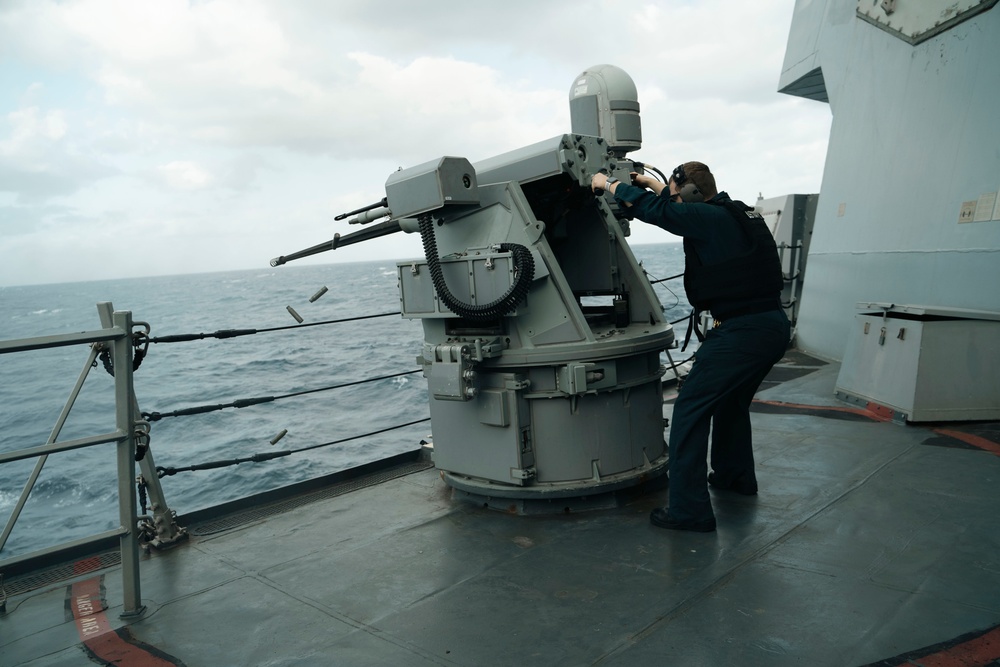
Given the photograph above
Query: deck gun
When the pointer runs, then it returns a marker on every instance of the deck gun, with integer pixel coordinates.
(542, 334)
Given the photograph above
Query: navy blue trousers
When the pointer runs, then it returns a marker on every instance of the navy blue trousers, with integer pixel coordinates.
(728, 368)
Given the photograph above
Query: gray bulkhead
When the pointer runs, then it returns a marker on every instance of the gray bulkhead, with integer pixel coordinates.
(908, 211)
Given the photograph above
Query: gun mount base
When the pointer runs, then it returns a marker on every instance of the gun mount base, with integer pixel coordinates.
(559, 499)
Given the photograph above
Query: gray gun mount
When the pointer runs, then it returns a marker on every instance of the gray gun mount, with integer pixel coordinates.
(556, 401)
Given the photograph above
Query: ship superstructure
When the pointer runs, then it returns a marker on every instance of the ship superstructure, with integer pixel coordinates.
(908, 211)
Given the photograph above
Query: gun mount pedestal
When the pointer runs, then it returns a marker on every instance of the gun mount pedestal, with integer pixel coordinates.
(556, 402)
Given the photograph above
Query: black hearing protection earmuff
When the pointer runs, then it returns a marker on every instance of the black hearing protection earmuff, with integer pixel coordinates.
(689, 192)
(679, 176)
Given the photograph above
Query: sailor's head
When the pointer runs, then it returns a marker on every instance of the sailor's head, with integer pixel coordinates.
(692, 182)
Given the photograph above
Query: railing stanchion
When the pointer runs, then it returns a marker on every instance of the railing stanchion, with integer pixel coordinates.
(125, 417)
(164, 522)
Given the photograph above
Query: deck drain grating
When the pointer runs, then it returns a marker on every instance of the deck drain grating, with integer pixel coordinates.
(55, 575)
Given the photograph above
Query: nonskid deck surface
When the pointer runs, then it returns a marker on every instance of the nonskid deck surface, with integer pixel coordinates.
(868, 542)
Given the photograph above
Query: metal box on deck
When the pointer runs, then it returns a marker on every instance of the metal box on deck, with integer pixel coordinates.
(924, 363)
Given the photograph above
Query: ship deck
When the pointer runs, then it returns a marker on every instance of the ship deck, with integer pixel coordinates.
(869, 543)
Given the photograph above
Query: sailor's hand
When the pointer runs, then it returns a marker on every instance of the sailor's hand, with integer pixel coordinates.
(599, 182)
(648, 182)
(642, 180)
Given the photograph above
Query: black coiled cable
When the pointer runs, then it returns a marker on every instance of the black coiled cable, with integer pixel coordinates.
(524, 266)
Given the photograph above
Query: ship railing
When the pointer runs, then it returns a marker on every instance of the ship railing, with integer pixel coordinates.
(117, 339)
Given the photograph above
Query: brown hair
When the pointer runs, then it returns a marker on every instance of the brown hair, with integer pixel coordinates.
(699, 174)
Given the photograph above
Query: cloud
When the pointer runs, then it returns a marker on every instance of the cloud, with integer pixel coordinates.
(24, 220)
(235, 74)
(226, 73)
(37, 160)
(182, 175)
(29, 128)
(211, 118)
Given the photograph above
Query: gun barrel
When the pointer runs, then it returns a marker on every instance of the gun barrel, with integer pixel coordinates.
(314, 250)
(369, 233)
(338, 241)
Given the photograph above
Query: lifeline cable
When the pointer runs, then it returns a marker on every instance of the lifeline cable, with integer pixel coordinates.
(677, 299)
(165, 471)
(686, 317)
(679, 363)
(234, 333)
(247, 402)
(679, 275)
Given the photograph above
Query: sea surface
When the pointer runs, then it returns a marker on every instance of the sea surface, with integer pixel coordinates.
(76, 493)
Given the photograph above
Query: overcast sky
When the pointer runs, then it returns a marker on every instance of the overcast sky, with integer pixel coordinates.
(142, 137)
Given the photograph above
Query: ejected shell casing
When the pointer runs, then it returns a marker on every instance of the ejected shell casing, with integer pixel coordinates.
(298, 318)
(321, 292)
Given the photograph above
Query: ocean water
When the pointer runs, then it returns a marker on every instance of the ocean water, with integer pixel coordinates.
(75, 495)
